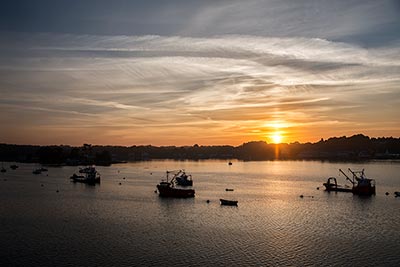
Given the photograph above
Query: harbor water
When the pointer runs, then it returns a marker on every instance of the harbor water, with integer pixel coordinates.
(46, 220)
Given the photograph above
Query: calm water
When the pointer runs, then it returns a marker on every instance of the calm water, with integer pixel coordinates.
(129, 225)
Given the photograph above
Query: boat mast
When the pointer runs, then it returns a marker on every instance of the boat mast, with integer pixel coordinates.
(347, 177)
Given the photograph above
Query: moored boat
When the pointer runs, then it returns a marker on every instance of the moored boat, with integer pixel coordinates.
(92, 176)
(168, 189)
(227, 202)
(361, 185)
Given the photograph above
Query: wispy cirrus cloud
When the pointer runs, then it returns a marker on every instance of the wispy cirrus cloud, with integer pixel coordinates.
(152, 86)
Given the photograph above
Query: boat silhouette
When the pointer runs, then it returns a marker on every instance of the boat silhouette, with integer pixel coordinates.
(168, 189)
(361, 185)
(91, 176)
(227, 202)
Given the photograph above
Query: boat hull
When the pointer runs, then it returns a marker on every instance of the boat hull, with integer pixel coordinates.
(86, 181)
(228, 202)
(364, 190)
(334, 188)
(355, 190)
(175, 192)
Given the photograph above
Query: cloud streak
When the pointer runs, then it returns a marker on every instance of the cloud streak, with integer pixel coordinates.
(143, 88)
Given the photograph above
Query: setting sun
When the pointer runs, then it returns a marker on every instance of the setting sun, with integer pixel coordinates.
(276, 138)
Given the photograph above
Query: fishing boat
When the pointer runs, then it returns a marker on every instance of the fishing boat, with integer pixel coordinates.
(182, 179)
(361, 185)
(92, 177)
(168, 189)
(226, 202)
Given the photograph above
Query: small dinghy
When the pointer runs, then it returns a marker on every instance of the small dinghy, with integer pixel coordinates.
(226, 202)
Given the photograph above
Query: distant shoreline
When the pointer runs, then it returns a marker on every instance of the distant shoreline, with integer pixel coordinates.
(354, 148)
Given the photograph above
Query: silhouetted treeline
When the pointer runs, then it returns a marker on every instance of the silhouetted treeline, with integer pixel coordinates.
(57, 155)
(357, 147)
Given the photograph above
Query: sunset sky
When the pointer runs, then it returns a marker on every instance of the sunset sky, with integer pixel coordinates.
(206, 72)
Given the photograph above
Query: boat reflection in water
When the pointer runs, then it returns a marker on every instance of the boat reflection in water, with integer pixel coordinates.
(168, 189)
(361, 185)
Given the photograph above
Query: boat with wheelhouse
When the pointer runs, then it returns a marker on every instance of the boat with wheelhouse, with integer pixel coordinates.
(91, 176)
(361, 185)
(169, 189)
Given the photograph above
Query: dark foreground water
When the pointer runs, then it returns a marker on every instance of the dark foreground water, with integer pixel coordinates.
(129, 225)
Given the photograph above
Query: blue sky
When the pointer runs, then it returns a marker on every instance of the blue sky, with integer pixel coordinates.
(365, 22)
(207, 72)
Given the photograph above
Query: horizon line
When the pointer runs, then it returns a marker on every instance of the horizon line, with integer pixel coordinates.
(171, 145)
